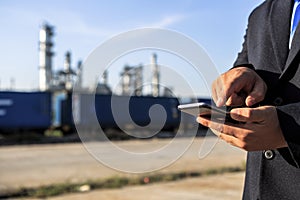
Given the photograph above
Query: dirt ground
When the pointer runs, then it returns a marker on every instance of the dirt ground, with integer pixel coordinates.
(220, 187)
(36, 165)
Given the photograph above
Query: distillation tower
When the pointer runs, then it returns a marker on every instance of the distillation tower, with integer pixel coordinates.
(45, 57)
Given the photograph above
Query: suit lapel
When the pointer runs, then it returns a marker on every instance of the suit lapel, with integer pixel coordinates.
(294, 51)
(280, 17)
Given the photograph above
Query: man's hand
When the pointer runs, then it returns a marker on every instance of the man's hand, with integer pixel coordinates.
(260, 130)
(238, 86)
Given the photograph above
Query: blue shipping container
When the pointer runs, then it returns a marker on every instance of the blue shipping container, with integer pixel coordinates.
(25, 110)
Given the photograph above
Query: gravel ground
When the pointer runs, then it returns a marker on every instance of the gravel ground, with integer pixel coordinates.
(220, 187)
(36, 165)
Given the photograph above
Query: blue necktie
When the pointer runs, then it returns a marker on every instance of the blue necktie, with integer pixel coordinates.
(296, 18)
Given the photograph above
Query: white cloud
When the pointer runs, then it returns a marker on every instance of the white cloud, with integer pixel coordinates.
(168, 21)
(76, 24)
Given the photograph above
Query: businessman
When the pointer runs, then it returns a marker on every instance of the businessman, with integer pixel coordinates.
(265, 82)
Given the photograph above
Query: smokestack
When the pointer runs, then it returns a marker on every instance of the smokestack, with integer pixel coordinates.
(45, 56)
(68, 71)
(104, 77)
(138, 83)
(79, 74)
(155, 76)
(126, 80)
(12, 83)
(67, 64)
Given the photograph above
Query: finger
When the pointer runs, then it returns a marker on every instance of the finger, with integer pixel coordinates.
(232, 94)
(257, 94)
(220, 98)
(249, 114)
(235, 100)
(233, 130)
(214, 92)
(226, 91)
(232, 140)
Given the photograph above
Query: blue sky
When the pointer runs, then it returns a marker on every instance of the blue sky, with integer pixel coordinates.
(80, 26)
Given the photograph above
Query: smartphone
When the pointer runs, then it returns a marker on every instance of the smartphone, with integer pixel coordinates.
(207, 110)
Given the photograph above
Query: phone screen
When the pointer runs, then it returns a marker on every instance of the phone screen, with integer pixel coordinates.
(207, 110)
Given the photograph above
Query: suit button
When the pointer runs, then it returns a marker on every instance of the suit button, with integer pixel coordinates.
(269, 154)
(278, 101)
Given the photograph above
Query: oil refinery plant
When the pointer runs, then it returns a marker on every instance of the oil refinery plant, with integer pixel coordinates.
(51, 106)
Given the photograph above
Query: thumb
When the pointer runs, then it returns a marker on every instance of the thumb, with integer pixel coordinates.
(257, 94)
(249, 114)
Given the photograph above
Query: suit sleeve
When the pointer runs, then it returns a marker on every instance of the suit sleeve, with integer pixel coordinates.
(289, 119)
(242, 59)
(288, 115)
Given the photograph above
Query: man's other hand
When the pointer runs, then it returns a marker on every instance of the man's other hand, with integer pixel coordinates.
(260, 130)
(238, 86)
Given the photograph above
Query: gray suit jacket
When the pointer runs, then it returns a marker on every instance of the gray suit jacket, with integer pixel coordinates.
(275, 174)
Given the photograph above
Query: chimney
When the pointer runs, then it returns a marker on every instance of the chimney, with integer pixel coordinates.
(45, 56)
(155, 76)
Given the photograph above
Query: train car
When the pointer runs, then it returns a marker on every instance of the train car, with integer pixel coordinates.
(206, 100)
(39, 111)
(188, 122)
(24, 111)
(147, 111)
(121, 112)
(127, 113)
